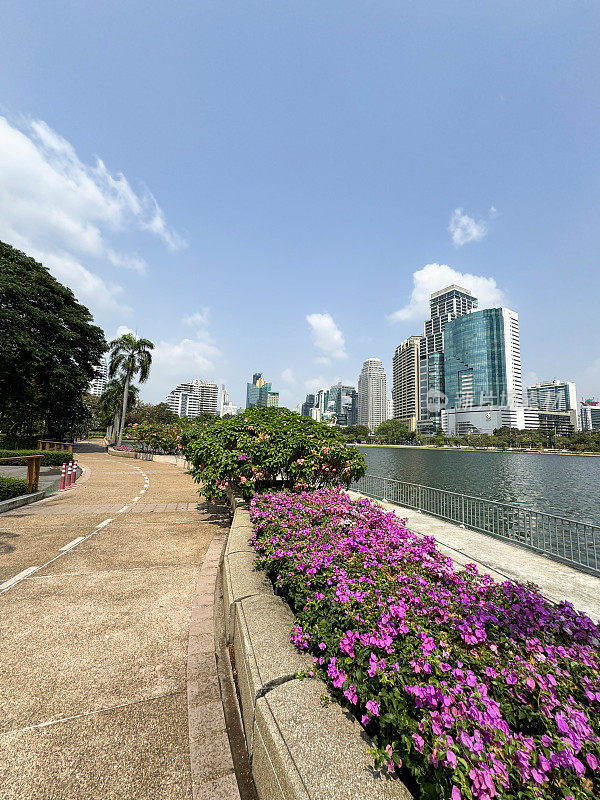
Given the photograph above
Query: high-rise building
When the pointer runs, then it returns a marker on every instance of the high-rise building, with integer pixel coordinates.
(372, 394)
(322, 400)
(259, 393)
(405, 387)
(98, 384)
(192, 398)
(553, 396)
(446, 305)
(308, 405)
(590, 415)
(482, 359)
(390, 408)
(227, 407)
(342, 404)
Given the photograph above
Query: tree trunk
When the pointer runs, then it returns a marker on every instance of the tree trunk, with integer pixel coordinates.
(115, 425)
(124, 407)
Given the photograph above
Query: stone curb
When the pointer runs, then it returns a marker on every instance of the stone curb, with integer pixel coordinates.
(35, 497)
(299, 749)
(213, 776)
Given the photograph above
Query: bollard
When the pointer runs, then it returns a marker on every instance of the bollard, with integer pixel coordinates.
(74, 472)
(69, 474)
(63, 478)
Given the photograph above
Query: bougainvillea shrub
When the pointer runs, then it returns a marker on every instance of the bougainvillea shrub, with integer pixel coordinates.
(158, 437)
(468, 688)
(267, 447)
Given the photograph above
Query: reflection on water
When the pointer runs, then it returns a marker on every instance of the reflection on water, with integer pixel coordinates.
(568, 486)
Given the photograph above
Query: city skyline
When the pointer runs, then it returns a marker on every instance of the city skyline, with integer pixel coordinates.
(321, 173)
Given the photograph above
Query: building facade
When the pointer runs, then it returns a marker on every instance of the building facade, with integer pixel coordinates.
(342, 405)
(405, 386)
(372, 394)
(307, 406)
(553, 396)
(227, 407)
(482, 359)
(446, 305)
(193, 398)
(99, 383)
(590, 415)
(487, 419)
(259, 392)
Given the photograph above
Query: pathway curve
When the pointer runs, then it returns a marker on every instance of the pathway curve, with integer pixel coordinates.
(97, 586)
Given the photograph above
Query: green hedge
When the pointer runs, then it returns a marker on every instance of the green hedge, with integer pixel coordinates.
(49, 457)
(11, 487)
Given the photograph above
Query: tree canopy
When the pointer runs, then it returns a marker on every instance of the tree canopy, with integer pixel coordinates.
(49, 348)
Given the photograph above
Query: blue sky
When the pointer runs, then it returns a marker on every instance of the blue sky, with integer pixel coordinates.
(270, 185)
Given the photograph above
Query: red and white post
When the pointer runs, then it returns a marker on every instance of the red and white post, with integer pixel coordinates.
(69, 473)
(74, 472)
(63, 478)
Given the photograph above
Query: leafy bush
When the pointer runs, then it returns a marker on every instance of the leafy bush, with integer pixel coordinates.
(468, 688)
(11, 487)
(266, 447)
(18, 442)
(50, 458)
(158, 437)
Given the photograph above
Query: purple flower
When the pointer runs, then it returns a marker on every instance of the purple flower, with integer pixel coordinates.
(373, 707)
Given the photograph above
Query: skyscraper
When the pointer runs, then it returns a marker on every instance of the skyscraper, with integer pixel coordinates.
(553, 396)
(308, 405)
(343, 404)
(372, 394)
(446, 305)
(98, 384)
(227, 407)
(192, 398)
(258, 393)
(482, 359)
(405, 388)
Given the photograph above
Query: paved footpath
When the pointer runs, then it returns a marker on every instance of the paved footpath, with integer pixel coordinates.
(96, 593)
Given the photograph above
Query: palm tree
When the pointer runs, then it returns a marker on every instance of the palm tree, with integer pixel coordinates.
(130, 356)
(111, 400)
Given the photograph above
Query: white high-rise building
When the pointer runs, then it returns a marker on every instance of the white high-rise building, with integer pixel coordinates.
(227, 407)
(191, 399)
(553, 396)
(98, 385)
(372, 394)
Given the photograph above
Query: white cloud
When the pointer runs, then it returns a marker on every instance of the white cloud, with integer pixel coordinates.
(314, 384)
(175, 362)
(465, 229)
(61, 210)
(433, 277)
(197, 319)
(326, 336)
(288, 376)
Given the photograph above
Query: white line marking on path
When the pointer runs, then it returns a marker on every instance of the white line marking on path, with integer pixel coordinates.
(31, 570)
(72, 544)
(16, 578)
(121, 510)
(135, 499)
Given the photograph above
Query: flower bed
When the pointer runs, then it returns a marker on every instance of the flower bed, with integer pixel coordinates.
(468, 688)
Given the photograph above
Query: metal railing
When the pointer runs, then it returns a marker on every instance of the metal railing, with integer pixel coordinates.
(569, 541)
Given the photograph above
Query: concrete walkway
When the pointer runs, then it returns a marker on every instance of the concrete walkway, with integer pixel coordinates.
(502, 560)
(95, 647)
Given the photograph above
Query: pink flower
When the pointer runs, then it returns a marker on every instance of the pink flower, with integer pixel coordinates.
(243, 479)
(373, 707)
(300, 461)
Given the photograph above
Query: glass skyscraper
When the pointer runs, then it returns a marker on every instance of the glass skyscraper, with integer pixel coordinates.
(446, 305)
(482, 359)
(258, 393)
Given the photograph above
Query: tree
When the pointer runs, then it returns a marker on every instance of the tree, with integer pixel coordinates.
(111, 401)
(394, 431)
(130, 356)
(49, 348)
(356, 433)
(146, 412)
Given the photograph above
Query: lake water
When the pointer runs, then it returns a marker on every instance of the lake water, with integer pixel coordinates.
(568, 486)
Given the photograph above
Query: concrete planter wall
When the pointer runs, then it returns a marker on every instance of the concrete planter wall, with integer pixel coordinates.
(299, 749)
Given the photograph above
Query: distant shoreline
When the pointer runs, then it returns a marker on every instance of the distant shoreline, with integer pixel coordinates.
(483, 449)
